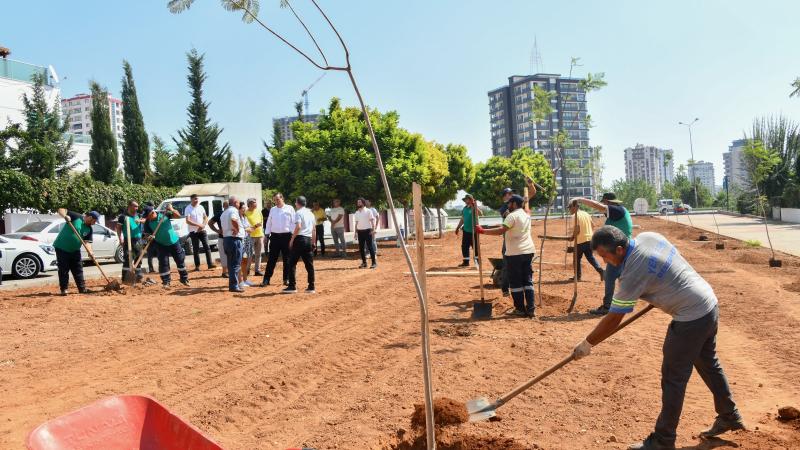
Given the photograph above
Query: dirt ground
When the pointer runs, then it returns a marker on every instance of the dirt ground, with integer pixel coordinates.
(342, 368)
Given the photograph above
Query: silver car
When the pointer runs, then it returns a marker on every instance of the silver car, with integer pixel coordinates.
(106, 245)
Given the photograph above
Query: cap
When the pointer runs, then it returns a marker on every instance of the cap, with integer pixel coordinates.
(251, 200)
(610, 197)
(147, 210)
(468, 197)
(94, 214)
(516, 199)
(508, 191)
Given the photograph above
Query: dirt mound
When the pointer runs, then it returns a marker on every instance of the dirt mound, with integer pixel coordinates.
(753, 258)
(750, 440)
(446, 411)
(788, 413)
(453, 440)
(793, 287)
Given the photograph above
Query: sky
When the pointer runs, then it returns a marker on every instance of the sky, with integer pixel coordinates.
(725, 62)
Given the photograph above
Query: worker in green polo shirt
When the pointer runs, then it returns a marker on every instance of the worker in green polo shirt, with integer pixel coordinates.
(68, 247)
(467, 224)
(131, 215)
(167, 243)
(617, 216)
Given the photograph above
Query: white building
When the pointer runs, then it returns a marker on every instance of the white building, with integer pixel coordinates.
(15, 81)
(704, 173)
(651, 164)
(78, 111)
(735, 169)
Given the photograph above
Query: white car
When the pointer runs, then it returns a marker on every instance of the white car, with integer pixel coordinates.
(25, 259)
(105, 243)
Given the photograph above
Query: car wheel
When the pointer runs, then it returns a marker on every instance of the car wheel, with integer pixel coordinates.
(26, 266)
(119, 255)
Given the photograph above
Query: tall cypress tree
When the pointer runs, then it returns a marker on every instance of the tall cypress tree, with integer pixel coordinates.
(198, 141)
(103, 158)
(135, 146)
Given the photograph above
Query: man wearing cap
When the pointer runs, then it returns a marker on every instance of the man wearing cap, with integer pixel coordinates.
(167, 243)
(582, 236)
(196, 220)
(467, 223)
(302, 245)
(152, 251)
(653, 270)
(516, 230)
(135, 225)
(619, 217)
(256, 220)
(503, 210)
(68, 247)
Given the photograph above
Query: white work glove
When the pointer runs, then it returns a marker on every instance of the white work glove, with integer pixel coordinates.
(582, 349)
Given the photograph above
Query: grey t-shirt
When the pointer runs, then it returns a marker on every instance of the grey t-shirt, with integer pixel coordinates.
(655, 271)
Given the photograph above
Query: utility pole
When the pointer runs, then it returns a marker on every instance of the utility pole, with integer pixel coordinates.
(691, 166)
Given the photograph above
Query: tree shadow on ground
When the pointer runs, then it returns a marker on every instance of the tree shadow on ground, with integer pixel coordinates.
(184, 292)
(501, 316)
(574, 317)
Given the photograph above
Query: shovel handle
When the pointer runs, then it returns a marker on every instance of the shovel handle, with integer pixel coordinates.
(523, 387)
(88, 251)
(476, 244)
(144, 250)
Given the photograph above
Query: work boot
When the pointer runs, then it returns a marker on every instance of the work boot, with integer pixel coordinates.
(185, 283)
(652, 442)
(83, 290)
(63, 292)
(723, 424)
(464, 264)
(601, 311)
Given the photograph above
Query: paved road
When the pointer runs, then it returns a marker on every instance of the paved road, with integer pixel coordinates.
(785, 236)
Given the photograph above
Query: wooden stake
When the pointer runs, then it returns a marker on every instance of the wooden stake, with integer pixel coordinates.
(476, 244)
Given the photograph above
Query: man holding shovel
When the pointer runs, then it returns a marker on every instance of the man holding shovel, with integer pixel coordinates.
(467, 223)
(134, 225)
(653, 270)
(582, 235)
(167, 243)
(68, 247)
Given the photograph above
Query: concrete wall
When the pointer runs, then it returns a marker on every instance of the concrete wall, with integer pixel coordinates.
(791, 215)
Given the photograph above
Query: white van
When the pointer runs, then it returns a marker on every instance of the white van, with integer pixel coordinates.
(211, 196)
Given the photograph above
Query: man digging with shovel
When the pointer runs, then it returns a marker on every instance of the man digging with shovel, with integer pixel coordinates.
(130, 234)
(167, 243)
(652, 269)
(68, 247)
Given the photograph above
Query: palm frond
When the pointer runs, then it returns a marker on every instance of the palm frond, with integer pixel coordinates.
(179, 6)
(796, 86)
(250, 8)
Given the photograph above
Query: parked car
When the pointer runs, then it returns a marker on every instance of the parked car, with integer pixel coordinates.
(668, 205)
(105, 244)
(25, 259)
(683, 209)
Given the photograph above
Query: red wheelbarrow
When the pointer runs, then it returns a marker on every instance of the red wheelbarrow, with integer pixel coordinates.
(123, 422)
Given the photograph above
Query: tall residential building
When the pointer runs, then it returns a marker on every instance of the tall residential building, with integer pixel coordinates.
(735, 169)
(704, 172)
(78, 109)
(512, 125)
(651, 164)
(285, 124)
(15, 80)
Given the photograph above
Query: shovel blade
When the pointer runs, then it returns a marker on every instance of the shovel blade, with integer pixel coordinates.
(482, 310)
(572, 303)
(480, 409)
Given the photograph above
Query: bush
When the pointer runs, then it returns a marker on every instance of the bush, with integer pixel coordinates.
(77, 193)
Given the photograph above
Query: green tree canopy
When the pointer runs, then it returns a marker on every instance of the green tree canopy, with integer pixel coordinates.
(629, 191)
(103, 157)
(135, 144)
(499, 172)
(460, 175)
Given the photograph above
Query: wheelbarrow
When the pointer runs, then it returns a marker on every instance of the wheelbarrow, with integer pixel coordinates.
(497, 271)
(116, 423)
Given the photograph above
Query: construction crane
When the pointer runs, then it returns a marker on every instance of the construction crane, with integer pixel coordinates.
(305, 94)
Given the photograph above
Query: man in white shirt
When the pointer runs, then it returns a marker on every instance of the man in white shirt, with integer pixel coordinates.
(336, 216)
(302, 245)
(377, 217)
(233, 234)
(365, 231)
(280, 225)
(196, 220)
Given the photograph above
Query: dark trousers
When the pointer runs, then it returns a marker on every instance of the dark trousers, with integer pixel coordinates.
(70, 262)
(504, 281)
(466, 244)
(136, 250)
(687, 345)
(233, 248)
(152, 252)
(520, 277)
(176, 252)
(320, 239)
(366, 242)
(585, 248)
(278, 246)
(197, 238)
(611, 276)
(301, 249)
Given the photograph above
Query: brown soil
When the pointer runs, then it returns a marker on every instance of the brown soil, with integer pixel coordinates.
(453, 440)
(793, 286)
(342, 368)
(788, 413)
(446, 411)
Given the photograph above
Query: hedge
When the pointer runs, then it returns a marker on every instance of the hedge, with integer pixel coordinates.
(76, 192)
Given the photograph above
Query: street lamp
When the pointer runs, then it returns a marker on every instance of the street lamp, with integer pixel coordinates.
(691, 149)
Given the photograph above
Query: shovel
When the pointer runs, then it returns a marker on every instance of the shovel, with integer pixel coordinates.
(575, 269)
(111, 285)
(149, 241)
(480, 409)
(480, 310)
(131, 274)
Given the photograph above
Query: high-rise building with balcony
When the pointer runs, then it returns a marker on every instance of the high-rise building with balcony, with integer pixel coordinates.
(16, 81)
(704, 173)
(78, 112)
(735, 169)
(513, 126)
(651, 164)
(285, 124)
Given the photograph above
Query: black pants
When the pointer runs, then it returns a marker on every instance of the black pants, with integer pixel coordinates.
(365, 243)
(301, 249)
(466, 244)
(520, 278)
(687, 345)
(164, 252)
(136, 250)
(504, 282)
(320, 239)
(152, 252)
(70, 262)
(585, 248)
(197, 238)
(278, 246)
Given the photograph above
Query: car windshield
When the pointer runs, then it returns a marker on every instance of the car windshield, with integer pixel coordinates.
(33, 227)
(179, 205)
